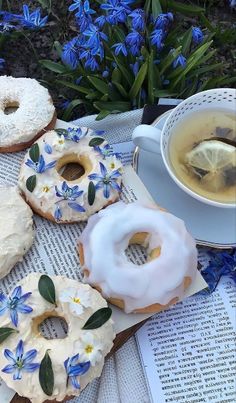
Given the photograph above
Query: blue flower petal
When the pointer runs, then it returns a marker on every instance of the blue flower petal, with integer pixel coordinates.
(3, 298)
(115, 174)
(14, 317)
(29, 356)
(115, 186)
(75, 382)
(9, 355)
(103, 169)
(24, 297)
(106, 190)
(30, 164)
(17, 376)
(58, 214)
(31, 367)
(76, 207)
(9, 369)
(3, 310)
(81, 368)
(50, 165)
(22, 308)
(48, 148)
(16, 293)
(59, 193)
(64, 186)
(20, 349)
(95, 177)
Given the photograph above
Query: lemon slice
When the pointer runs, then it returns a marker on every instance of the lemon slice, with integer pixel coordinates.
(212, 156)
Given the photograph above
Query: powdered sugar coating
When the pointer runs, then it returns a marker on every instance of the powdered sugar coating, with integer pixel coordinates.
(34, 113)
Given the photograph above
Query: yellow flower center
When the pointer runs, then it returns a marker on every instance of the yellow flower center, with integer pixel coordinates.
(76, 300)
(45, 188)
(61, 141)
(112, 165)
(89, 349)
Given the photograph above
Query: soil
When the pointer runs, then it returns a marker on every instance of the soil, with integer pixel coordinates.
(23, 54)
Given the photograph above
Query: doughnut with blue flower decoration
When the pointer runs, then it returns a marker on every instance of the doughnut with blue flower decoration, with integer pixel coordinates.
(44, 369)
(64, 200)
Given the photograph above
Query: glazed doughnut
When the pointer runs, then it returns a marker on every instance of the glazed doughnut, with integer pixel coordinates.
(62, 200)
(16, 228)
(35, 113)
(170, 268)
(81, 350)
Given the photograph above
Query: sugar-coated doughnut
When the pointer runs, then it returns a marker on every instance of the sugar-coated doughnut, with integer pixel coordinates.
(75, 360)
(16, 228)
(170, 268)
(35, 113)
(60, 200)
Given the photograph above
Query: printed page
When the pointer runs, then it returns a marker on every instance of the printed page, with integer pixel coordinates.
(54, 249)
(188, 352)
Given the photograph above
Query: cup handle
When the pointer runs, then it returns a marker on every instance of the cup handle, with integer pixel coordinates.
(148, 138)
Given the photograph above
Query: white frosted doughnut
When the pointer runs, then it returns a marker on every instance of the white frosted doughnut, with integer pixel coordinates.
(61, 200)
(35, 112)
(16, 228)
(75, 302)
(159, 281)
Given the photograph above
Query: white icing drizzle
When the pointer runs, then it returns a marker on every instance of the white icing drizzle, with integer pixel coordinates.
(59, 349)
(16, 228)
(47, 201)
(107, 236)
(34, 113)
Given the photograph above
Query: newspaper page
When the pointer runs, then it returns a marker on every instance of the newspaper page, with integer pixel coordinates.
(54, 248)
(188, 352)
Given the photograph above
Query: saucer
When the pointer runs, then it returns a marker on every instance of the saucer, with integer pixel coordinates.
(210, 226)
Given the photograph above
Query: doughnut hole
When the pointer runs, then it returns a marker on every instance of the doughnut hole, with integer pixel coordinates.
(74, 168)
(10, 107)
(50, 326)
(138, 246)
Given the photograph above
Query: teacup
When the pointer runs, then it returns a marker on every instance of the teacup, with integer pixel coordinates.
(215, 101)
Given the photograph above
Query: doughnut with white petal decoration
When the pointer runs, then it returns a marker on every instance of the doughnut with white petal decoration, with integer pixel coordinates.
(26, 112)
(44, 369)
(65, 201)
(171, 264)
(16, 228)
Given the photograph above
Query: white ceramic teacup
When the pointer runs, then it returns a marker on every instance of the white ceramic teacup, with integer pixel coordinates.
(155, 140)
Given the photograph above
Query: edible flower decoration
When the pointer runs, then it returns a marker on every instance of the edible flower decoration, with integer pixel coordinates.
(106, 180)
(74, 368)
(44, 187)
(59, 143)
(71, 194)
(90, 348)
(78, 300)
(105, 151)
(72, 133)
(14, 304)
(40, 166)
(20, 362)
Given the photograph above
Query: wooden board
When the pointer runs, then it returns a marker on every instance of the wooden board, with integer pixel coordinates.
(119, 341)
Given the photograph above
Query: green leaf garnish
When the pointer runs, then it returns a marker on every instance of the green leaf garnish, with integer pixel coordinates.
(5, 332)
(31, 183)
(34, 152)
(61, 132)
(91, 193)
(96, 141)
(98, 318)
(47, 289)
(46, 375)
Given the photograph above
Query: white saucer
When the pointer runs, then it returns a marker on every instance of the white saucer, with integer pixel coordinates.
(211, 226)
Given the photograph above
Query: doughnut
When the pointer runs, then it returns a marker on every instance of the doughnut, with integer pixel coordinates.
(75, 360)
(35, 113)
(16, 228)
(148, 288)
(70, 200)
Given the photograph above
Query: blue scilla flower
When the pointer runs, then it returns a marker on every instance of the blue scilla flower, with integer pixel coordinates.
(92, 64)
(95, 36)
(20, 361)
(135, 67)
(232, 3)
(120, 48)
(85, 9)
(138, 19)
(40, 166)
(105, 151)
(100, 21)
(14, 304)
(74, 134)
(134, 40)
(76, 4)
(32, 20)
(74, 368)
(117, 10)
(48, 148)
(71, 52)
(157, 38)
(197, 35)
(220, 264)
(71, 194)
(106, 180)
(179, 61)
(163, 20)
(6, 27)
(2, 63)
(106, 72)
